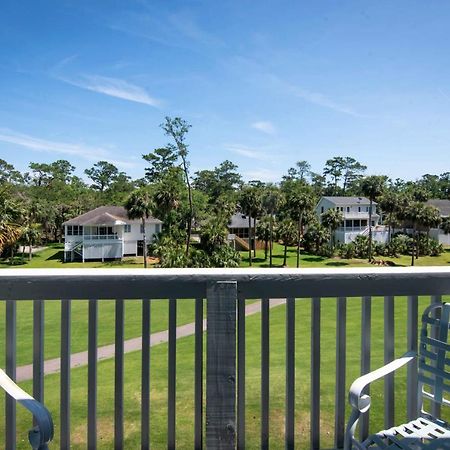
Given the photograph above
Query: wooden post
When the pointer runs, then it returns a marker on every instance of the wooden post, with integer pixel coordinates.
(221, 366)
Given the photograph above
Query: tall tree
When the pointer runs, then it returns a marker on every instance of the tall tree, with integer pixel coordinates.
(177, 129)
(161, 160)
(250, 204)
(352, 170)
(299, 203)
(270, 200)
(372, 187)
(332, 219)
(139, 205)
(287, 233)
(103, 174)
(334, 168)
(390, 204)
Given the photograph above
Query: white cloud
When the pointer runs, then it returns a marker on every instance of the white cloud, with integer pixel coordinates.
(316, 98)
(114, 87)
(264, 126)
(248, 152)
(87, 152)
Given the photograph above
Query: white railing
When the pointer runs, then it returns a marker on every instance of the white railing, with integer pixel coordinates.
(101, 237)
(225, 292)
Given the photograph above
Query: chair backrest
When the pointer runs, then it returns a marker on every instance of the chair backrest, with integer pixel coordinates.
(434, 360)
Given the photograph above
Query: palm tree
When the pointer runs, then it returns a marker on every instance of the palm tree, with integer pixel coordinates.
(332, 219)
(390, 205)
(30, 235)
(271, 200)
(139, 206)
(429, 218)
(249, 202)
(413, 214)
(372, 187)
(287, 233)
(263, 230)
(299, 203)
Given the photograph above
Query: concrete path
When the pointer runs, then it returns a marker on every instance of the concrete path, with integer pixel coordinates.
(25, 373)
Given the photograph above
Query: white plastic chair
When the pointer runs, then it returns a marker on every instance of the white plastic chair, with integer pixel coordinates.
(434, 381)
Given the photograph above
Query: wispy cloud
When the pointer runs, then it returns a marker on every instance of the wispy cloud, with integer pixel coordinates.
(264, 126)
(248, 152)
(90, 153)
(316, 98)
(114, 87)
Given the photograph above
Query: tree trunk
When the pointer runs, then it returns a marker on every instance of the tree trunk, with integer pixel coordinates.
(254, 234)
(271, 239)
(30, 251)
(285, 254)
(145, 244)
(266, 245)
(370, 231)
(191, 209)
(413, 249)
(299, 239)
(249, 240)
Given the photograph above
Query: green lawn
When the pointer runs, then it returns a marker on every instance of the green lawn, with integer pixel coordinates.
(185, 371)
(52, 257)
(307, 260)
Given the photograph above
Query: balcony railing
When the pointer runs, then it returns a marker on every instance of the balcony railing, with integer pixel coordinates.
(101, 237)
(224, 424)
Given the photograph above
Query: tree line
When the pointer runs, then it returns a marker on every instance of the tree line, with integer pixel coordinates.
(35, 204)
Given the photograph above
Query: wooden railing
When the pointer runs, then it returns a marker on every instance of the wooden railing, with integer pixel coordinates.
(225, 292)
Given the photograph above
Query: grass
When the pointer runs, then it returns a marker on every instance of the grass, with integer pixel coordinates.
(307, 260)
(52, 257)
(185, 371)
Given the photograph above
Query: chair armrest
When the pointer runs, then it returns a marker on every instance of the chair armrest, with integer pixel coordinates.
(362, 402)
(42, 433)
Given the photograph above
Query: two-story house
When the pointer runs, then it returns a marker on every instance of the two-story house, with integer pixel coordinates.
(355, 211)
(106, 233)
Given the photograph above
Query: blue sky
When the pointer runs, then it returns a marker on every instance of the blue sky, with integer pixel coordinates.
(263, 83)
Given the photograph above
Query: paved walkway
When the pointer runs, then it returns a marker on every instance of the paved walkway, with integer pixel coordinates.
(25, 373)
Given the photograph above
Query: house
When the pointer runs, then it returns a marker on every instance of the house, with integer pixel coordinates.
(239, 232)
(106, 233)
(444, 209)
(356, 218)
(238, 225)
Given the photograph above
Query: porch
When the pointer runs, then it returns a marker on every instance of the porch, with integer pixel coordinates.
(360, 300)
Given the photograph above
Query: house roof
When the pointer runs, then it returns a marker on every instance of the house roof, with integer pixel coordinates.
(343, 201)
(442, 205)
(106, 215)
(239, 220)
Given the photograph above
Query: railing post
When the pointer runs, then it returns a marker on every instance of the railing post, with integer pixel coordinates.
(221, 366)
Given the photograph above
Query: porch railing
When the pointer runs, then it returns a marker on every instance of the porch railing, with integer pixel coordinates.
(225, 292)
(102, 237)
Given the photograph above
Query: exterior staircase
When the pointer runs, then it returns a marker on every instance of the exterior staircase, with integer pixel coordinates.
(241, 243)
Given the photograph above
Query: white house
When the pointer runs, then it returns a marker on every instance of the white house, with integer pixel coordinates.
(356, 218)
(106, 233)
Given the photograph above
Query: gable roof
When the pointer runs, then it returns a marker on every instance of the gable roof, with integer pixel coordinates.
(239, 220)
(106, 215)
(342, 201)
(442, 205)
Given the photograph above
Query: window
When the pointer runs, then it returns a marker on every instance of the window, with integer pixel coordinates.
(321, 209)
(348, 208)
(142, 228)
(348, 224)
(359, 208)
(367, 209)
(127, 228)
(158, 228)
(74, 230)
